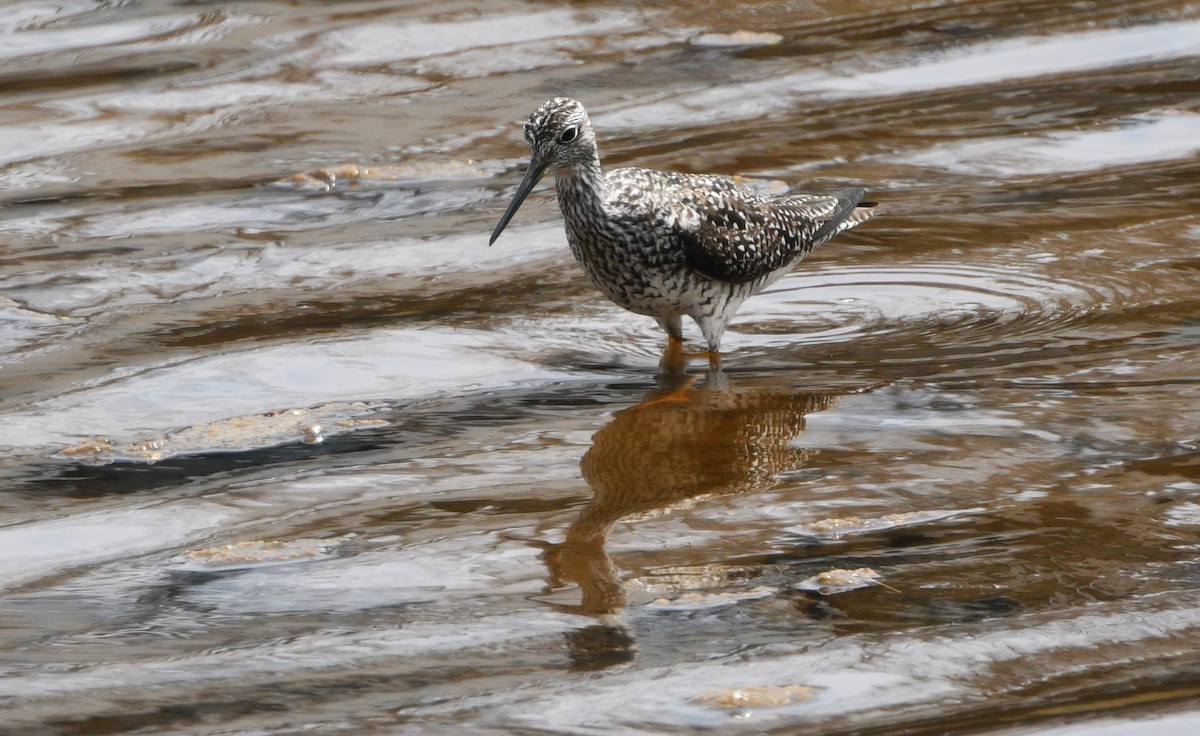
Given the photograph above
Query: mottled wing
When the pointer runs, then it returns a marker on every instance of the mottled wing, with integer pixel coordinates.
(739, 239)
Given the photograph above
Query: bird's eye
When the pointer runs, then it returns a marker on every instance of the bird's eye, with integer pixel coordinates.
(568, 135)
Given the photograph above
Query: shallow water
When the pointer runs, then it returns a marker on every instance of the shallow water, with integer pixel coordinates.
(309, 456)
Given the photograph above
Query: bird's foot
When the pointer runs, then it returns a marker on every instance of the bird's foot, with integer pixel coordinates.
(674, 383)
(674, 360)
(714, 358)
(675, 357)
(678, 394)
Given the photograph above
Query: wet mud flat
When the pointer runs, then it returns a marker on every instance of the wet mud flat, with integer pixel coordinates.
(287, 448)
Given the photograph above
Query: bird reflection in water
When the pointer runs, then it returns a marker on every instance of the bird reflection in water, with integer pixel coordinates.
(688, 439)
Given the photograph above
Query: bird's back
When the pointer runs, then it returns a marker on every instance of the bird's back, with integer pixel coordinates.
(723, 229)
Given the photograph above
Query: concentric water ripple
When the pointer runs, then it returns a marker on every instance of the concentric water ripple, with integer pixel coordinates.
(937, 312)
(949, 302)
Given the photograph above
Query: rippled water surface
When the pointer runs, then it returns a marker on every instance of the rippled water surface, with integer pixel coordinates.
(288, 453)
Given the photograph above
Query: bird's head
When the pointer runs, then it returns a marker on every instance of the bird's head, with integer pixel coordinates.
(560, 136)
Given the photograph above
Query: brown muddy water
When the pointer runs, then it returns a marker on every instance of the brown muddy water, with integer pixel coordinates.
(309, 457)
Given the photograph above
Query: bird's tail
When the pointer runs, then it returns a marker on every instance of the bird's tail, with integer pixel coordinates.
(862, 212)
(851, 211)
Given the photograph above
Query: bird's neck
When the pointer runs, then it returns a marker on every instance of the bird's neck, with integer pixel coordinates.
(581, 185)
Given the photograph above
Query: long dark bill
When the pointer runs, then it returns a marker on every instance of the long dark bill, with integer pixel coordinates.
(537, 169)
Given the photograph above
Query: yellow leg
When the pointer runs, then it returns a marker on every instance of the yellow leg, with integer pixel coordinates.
(677, 395)
(674, 382)
(714, 358)
(674, 360)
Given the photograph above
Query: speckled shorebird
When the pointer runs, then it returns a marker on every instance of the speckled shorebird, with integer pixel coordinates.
(666, 244)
